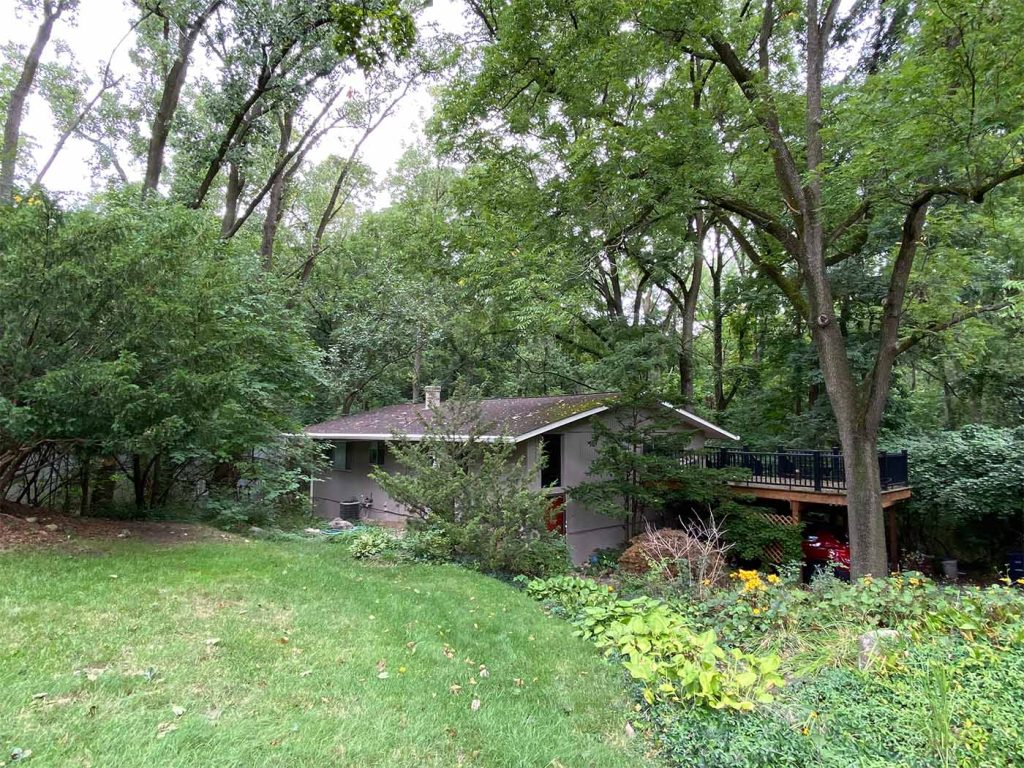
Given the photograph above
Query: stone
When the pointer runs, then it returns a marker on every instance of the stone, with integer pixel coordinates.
(52, 527)
(341, 524)
(255, 530)
(872, 645)
(31, 519)
(124, 534)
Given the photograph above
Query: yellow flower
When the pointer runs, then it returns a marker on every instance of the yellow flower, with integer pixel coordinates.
(1005, 579)
(773, 579)
(867, 580)
(914, 581)
(756, 611)
(805, 731)
(17, 198)
(1020, 581)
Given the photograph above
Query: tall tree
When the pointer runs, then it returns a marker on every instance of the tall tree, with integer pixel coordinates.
(794, 142)
(51, 10)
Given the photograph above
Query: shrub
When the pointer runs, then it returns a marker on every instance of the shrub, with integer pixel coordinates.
(430, 544)
(372, 542)
(475, 491)
(569, 593)
(658, 649)
(752, 535)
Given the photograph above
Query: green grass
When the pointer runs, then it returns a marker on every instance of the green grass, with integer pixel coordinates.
(268, 654)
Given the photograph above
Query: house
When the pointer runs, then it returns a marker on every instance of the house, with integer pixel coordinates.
(559, 427)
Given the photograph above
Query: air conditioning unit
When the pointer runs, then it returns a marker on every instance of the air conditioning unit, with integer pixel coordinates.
(349, 510)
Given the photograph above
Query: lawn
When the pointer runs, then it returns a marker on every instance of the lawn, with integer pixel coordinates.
(271, 654)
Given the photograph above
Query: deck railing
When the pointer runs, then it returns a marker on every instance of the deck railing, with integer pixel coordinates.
(818, 470)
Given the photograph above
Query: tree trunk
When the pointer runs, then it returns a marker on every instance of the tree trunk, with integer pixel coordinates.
(174, 81)
(277, 188)
(232, 193)
(16, 105)
(138, 482)
(864, 504)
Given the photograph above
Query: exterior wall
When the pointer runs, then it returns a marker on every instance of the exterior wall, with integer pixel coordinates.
(586, 531)
(356, 485)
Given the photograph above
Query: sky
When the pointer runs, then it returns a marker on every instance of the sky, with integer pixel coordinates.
(95, 31)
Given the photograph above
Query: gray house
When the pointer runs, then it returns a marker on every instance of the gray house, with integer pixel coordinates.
(559, 427)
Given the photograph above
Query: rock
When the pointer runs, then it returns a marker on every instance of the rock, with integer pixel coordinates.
(255, 530)
(872, 645)
(31, 519)
(124, 534)
(52, 527)
(341, 524)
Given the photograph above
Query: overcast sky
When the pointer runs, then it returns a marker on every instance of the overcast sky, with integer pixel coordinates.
(95, 31)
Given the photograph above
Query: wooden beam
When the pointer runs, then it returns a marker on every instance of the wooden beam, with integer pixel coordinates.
(794, 510)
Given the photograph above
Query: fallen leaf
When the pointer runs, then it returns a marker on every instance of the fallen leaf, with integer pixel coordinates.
(213, 641)
(484, 671)
(475, 705)
(383, 675)
(178, 711)
(455, 688)
(38, 696)
(164, 728)
(630, 731)
(18, 754)
(306, 673)
(214, 714)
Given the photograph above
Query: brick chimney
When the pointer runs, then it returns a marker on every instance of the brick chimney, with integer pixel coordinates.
(431, 396)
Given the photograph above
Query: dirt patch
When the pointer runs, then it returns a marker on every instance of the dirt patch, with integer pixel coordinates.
(24, 527)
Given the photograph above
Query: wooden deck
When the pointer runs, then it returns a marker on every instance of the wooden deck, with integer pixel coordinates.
(800, 497)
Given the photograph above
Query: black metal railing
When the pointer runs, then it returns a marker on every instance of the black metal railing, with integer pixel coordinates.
(819, 470)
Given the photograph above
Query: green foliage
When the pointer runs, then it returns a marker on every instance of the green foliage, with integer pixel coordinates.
(967, 498)
(133, 328)
(636, 469)
(570, 594)
(750, 535)
(427, 544)
(373, 31)
(372, 542)
(659, 650)
(476, 492)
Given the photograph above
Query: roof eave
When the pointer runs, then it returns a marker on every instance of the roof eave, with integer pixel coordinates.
(714, 429)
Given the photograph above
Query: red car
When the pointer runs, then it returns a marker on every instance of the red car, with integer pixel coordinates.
(823, 547)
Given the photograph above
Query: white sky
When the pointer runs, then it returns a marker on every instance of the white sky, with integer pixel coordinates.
(95, 31)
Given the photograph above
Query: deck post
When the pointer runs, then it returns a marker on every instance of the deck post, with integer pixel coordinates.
(817, 470)
(894, 539)
(795, 506)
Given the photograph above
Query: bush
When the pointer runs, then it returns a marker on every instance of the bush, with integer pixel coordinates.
(373, 542)
(475, 492)
(431, 545)
(657, 648)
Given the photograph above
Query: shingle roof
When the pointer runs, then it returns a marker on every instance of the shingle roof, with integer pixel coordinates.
(517, 417)
(514, 416)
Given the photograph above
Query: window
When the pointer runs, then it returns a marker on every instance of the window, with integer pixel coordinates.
(377, 449)
(551, 475)
(342, 456)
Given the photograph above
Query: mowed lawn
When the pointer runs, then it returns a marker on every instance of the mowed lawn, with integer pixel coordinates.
(278, 654)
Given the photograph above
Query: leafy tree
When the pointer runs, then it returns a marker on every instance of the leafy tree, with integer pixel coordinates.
(479, 493)
(133, 331)
(638, 473)
(792, 144)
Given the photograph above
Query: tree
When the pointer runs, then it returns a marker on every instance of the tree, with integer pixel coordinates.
(51, 10)
(133, 332)
(793, 145)
(637, 473)
(476, 491)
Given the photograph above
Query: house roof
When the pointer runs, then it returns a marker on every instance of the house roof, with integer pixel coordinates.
(517, 417)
